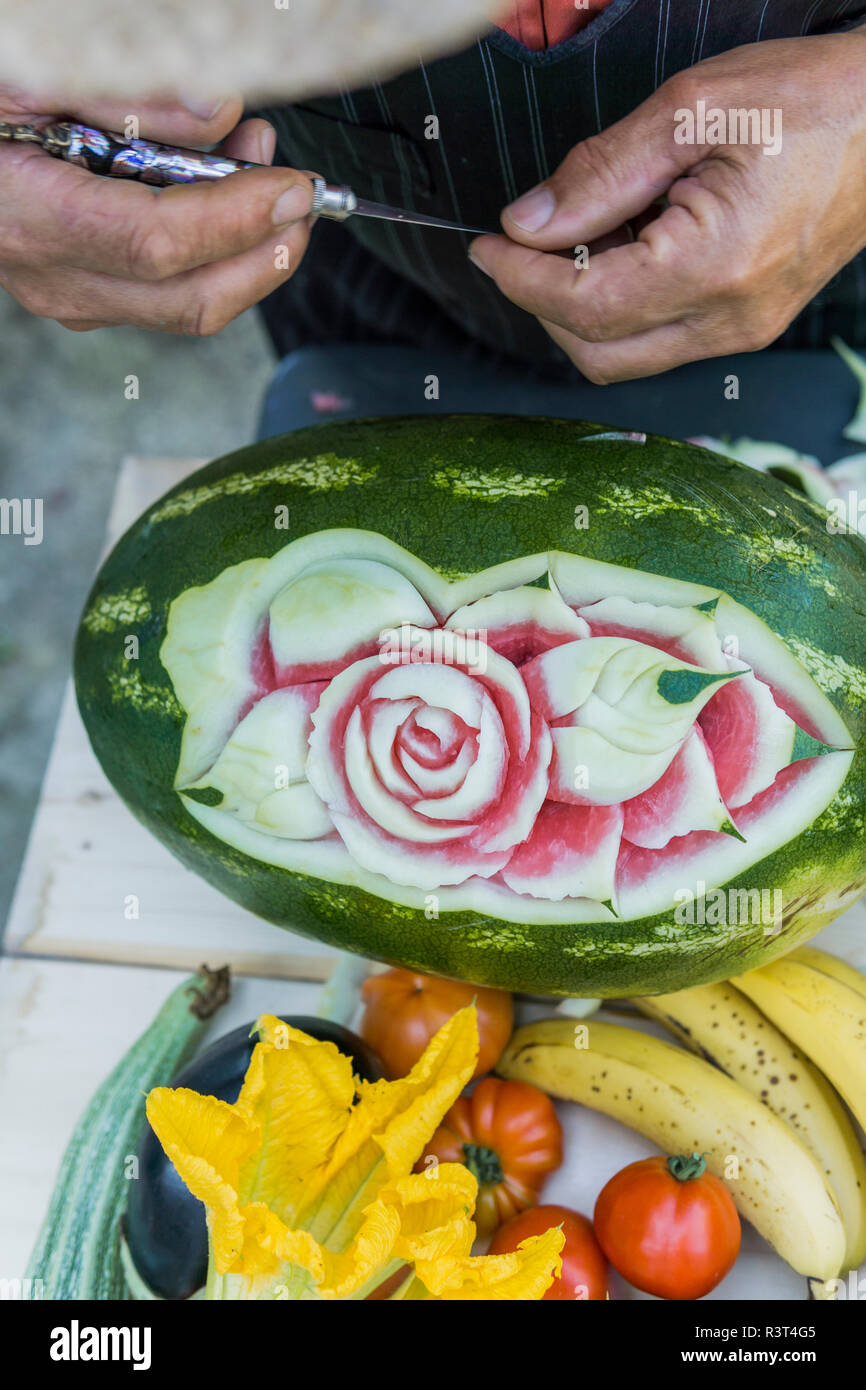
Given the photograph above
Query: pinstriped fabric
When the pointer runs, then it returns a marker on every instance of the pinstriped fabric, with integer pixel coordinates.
(760, 33)
(595, 97)
(697, 35)
(407, 200)
(704, 30)
(807, 20)
(509, 187)
(541, 164)
(461, 136)
(495, 307)
(456, 213)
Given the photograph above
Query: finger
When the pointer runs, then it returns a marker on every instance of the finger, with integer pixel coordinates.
(623, 236)
(626, 289)
(195, 120)
(607, 179)
(642, 354)
(254, 140)
(84, 325)
(66, 216)
(199, 302)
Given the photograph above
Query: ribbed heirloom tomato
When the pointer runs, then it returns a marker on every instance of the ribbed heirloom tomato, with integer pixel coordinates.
(668, 1226)
(583, 1276)
(403, 1009)
(508, 1134)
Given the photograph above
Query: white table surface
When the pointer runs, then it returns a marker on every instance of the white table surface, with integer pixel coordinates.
(79, 982)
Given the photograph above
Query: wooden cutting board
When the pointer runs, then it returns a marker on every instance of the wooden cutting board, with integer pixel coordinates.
(87, 854)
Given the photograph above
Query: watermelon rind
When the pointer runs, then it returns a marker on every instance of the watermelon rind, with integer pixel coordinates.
(652, 520)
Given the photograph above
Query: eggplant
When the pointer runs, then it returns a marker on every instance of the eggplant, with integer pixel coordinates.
(164, 1225)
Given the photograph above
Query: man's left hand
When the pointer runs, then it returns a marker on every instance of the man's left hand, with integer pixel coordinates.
(745, 239)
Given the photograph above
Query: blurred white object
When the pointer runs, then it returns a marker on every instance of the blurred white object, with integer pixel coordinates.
(848, 477)
(275, 48)
(578, 1008)
(340, 996)
(841, 488)
(786, 464)
(856, 426)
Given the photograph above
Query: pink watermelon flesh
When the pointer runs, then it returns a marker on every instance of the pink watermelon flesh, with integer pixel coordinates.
(574, 848)
(681, 799)
(732, 728)
(664, 644)
(262, 670)
(571, 852)
(520, 642)
(303, 672)
(637, 864)
(741, 727)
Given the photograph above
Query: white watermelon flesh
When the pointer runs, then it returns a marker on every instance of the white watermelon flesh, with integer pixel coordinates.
(750, 738)
(685, 798)
(517, 752)
(571, 853)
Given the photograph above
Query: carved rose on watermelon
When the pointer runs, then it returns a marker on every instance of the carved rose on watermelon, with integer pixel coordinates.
(529, 741)
(433, 771)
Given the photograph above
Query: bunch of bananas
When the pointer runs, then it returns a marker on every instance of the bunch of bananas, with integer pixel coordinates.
(775, 1050)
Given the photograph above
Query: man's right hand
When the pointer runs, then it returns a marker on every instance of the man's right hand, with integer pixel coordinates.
(91, 252)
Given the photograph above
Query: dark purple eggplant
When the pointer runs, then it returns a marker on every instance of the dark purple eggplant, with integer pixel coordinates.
(164, 1224)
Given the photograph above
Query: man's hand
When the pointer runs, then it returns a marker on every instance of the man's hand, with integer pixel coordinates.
(91, 252)
(746, 238)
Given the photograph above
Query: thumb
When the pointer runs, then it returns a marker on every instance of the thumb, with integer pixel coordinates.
(197, 121)
(604, 180)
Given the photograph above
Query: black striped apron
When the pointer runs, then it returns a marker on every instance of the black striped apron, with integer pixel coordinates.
(501, 118)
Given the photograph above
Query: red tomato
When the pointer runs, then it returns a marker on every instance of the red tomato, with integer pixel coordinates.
(584, 1269)
(403, 1010)
(669, 1227)
(508, 1134)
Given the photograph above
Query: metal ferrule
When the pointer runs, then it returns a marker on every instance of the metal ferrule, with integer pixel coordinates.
(333, 200)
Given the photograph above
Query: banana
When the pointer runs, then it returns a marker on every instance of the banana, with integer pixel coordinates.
(821, 1014)
(724, 1027)
(684, 1105)
(831, 965)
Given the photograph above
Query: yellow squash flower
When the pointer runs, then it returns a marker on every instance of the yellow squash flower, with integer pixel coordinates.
(308, 1182)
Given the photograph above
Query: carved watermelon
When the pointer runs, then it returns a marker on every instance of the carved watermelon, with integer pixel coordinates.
(526, 702)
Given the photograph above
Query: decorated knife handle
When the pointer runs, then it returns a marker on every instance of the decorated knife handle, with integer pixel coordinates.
(114, 156)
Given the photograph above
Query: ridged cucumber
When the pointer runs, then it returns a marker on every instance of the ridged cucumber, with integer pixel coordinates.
(77, 1253)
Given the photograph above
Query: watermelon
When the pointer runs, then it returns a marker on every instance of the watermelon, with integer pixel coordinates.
(509, 700)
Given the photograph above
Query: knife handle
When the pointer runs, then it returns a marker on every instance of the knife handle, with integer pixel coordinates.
(115, 157)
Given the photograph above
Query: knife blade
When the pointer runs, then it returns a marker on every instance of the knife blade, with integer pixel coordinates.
(338, 202)
(117, 156)
(363, 208)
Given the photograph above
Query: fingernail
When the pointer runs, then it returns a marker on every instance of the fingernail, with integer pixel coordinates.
(291, 206)
(534, 210)
(203, 107)
(477, 263)
(267, 145)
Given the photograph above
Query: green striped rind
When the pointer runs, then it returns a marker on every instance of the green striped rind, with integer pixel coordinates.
(77, 1253)
(464, 493)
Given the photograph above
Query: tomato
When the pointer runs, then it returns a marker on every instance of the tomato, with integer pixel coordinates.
(403, 1010)
(669, 1227)
(584, 1269)
(508, 1134)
